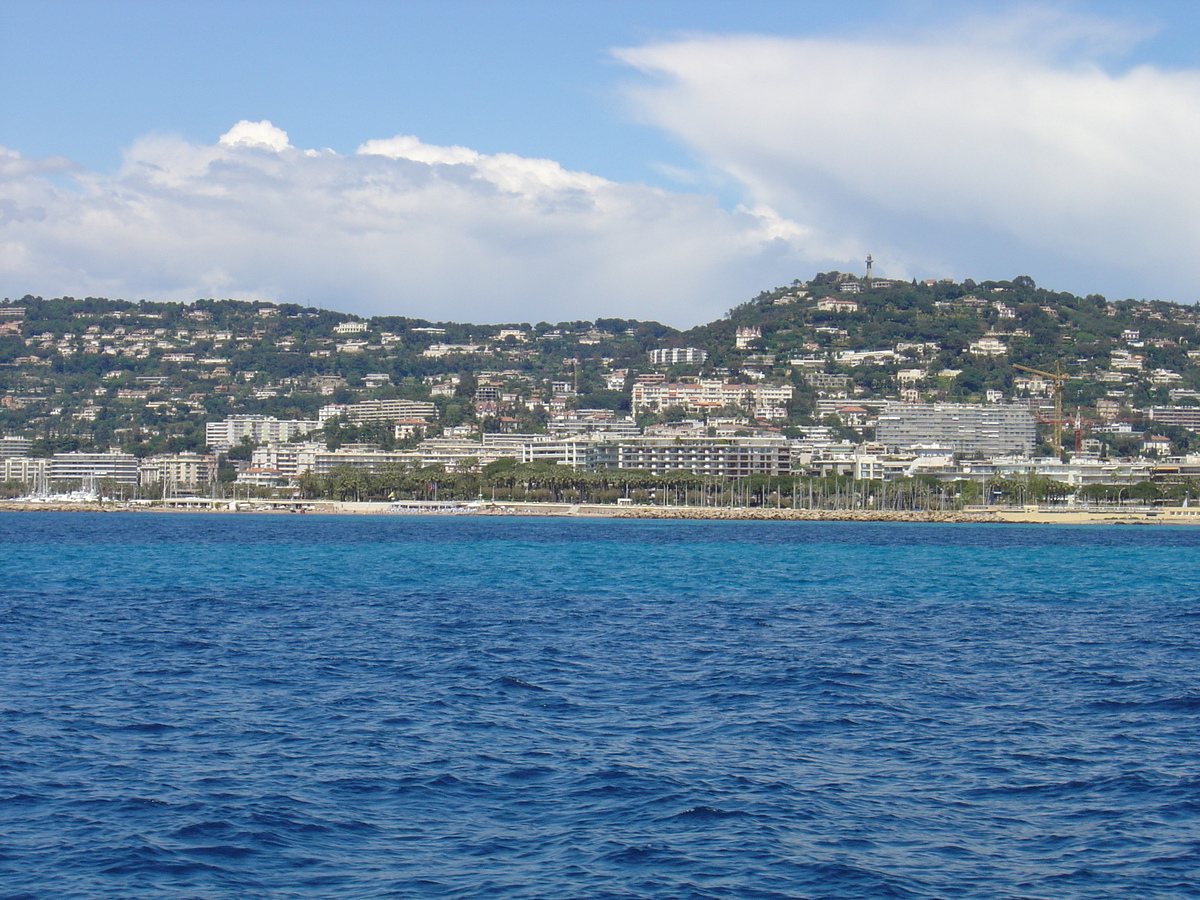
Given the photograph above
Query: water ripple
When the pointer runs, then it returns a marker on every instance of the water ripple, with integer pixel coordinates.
(305, 707)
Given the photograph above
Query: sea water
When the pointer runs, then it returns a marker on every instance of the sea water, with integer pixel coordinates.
(242, 706)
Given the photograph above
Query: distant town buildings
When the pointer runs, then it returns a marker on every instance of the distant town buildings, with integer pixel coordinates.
(852, 377)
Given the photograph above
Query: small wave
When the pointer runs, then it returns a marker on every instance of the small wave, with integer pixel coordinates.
(1188, 704)
(148, 727)
(1176, 704)
(510, 682)
(532, 773)
(157, 861)
(191, 644)
(203, 830)
(704, 813)
(21, 799)
(221, 852)
(643, 855)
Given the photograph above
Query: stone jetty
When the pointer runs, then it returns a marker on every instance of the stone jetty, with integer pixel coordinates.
(766, 514)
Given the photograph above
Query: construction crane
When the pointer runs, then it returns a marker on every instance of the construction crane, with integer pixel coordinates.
(1058, 378)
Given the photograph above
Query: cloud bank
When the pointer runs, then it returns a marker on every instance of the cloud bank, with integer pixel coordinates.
(994, 148)
(399, 227)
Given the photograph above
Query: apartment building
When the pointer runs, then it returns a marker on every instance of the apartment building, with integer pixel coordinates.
(453, 453)
(14, 446)
(389, 411)
(724, 458)
(317, 459)
(673, 356)
(223, 435)
(766, 401)
(577, 452)
(121, 467)
(966, 428)
(26, 469)
(179, 469)
(1183, 416)
(593, 420)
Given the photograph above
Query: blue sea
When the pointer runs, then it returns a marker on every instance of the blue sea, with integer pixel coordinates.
(246, 706)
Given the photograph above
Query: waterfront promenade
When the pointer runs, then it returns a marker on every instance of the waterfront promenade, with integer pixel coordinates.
(992, 514)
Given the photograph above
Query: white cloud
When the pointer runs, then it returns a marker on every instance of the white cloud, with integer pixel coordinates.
(994, 148)
(400, 227)
(255, 134)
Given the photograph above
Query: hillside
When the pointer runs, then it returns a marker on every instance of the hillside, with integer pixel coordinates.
(146, 376)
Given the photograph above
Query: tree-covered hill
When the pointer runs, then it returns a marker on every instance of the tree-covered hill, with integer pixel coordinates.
(97, 372)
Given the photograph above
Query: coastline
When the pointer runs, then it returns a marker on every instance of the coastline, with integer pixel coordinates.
(984, 515)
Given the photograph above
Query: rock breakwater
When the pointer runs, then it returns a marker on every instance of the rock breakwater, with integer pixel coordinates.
(804, 515)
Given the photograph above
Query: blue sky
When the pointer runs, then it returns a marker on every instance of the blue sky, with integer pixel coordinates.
(580, 159)
(84, 79)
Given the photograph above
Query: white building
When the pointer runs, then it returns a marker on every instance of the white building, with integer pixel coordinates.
(583, 421)
(855, 358)
(282, 458)
(26, 469)
(968, 428)
(458, 453)
(766, 401)
(178, 470)
(988, 346)
(14, 446)
(256, 477)
(380, 411)
(577, 452)
(224, 435)
(673, 356)
(317, 459)
(437, 350)
(724, 458)
(120, 467)
(838, 305)
(746, 336)
(1183, 416)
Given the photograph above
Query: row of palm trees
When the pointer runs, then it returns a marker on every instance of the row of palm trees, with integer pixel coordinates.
(508, 480)
(1040, 490)
(511, 481)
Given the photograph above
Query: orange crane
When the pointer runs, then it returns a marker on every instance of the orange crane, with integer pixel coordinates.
(1058, 378)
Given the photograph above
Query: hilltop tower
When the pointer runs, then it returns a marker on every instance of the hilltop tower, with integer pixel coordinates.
(869, 261)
